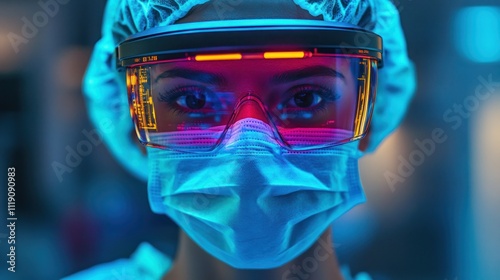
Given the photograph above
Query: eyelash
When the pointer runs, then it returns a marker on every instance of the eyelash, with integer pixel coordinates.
(329, 93)
(170, 97)
(326, 93)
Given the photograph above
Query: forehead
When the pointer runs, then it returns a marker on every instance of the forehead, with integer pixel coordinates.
(259, 65)
(252, 69)
(246, 9)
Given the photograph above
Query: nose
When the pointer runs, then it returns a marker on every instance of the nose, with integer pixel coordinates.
(250, 107)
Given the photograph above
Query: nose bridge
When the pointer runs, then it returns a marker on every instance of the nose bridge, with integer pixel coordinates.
(250, 106)
(251, 128)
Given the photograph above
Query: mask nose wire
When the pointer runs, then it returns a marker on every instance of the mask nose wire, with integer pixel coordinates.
(250, 106)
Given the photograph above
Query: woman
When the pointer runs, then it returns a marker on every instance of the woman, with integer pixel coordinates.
(252, 133)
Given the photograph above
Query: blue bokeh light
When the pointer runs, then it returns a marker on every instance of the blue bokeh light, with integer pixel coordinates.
(477, 33)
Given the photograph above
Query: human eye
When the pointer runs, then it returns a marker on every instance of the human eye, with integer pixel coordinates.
(191, 99)
(308, 98)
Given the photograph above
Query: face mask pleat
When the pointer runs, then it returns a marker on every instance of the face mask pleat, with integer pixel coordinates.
(253, 194)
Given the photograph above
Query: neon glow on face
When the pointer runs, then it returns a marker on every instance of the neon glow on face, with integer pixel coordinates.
(318, 92)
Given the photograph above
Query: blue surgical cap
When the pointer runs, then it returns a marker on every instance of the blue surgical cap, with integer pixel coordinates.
(105, 90)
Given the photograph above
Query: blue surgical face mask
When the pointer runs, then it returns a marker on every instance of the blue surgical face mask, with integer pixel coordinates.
(252, 203)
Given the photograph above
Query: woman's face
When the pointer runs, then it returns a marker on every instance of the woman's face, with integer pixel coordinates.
(249, 195)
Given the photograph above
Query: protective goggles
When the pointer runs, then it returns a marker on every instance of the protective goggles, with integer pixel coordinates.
(313, 82)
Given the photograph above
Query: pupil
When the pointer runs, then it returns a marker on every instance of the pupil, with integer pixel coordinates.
(304, 99)
(195, 101)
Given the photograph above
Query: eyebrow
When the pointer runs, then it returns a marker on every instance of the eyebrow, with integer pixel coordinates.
(216, 79)
(199, 76)
(313, 71)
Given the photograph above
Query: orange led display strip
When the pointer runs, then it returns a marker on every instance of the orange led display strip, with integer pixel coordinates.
(239, 56)
(281, 55)
(211, 57)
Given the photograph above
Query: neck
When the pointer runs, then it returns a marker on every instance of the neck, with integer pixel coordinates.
(193, 263)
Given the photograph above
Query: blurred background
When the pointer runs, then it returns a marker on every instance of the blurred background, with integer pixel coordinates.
(433, 209)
